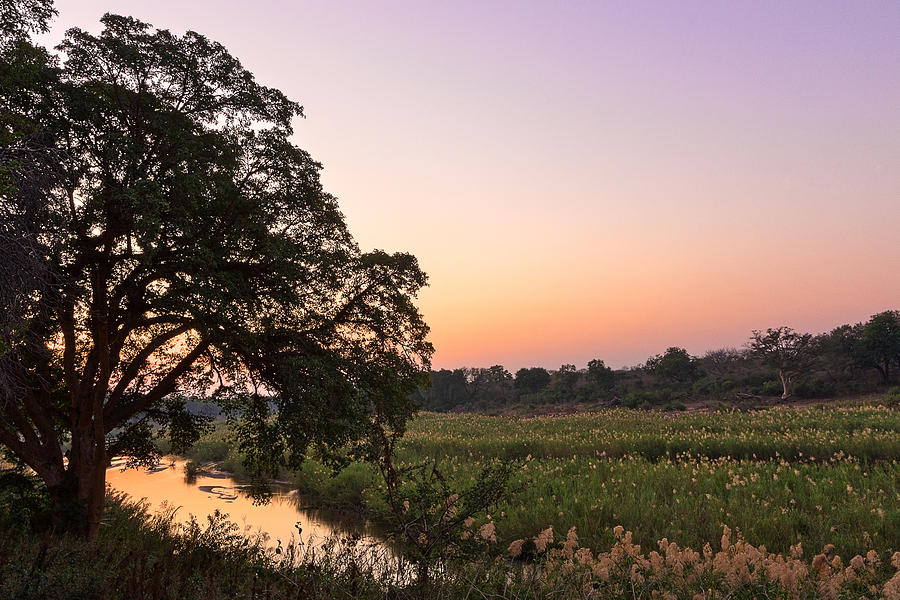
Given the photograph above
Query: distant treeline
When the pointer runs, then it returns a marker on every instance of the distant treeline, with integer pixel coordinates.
(850, 359)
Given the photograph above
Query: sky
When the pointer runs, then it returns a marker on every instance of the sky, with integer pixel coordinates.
(594, 179)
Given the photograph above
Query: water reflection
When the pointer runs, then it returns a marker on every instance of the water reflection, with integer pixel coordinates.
(280, 519)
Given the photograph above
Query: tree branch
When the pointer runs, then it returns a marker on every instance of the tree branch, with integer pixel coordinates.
(134, 367)
(166, 385)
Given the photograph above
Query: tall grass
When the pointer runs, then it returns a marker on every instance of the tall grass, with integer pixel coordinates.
(141, 556)
(792, 503)
(817, 475)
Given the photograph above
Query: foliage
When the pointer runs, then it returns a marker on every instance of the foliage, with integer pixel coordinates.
(600, 376)
(566, 377)
(784, 349)
(20, 18)
(24, 72)
(143, 556)
(494, 380)
(191, 470)
(675, 364)
(893, 397)
(531, 380)
(139, 555)
(815, 475)
(430, 522)
(881, 343)
(181, 246)
(840, 362)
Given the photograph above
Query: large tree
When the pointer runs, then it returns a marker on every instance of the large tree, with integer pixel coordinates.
(178, 243)
(490, 384)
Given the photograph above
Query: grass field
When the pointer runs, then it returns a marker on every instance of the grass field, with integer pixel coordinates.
(813, 475)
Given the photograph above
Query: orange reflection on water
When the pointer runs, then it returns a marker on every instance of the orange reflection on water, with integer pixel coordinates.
(165, 485)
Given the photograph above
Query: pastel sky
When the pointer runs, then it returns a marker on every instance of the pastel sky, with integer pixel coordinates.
(594, 179)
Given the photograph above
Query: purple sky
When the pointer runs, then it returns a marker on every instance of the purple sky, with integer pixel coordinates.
(600, 179)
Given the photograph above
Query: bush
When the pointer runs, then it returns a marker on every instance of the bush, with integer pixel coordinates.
(818, 388)
(770, 388)
(675, 405)
(191, 470)
(207, 450)
(22, 501)
(893, 397)
(712, 387)
(651, 398)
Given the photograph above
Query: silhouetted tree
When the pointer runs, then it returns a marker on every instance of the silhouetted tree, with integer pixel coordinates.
(184, 244)
(786, 350)
(881, 343)
(721, 362)
(488, 386)
(675, 364)
(566, 378)
(531, 380)
(499, 377)
(600, 376)
(447, 390)
(840, 351)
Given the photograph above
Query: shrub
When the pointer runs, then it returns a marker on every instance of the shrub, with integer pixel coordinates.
(892, 398)
(770, 388)
(191, 470)
(818, 388)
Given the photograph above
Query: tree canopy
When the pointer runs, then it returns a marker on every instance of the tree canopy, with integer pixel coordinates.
(784, 349)
(880, 343)
(675, 364)
(600, 375)
(531, 380)
(180, 244)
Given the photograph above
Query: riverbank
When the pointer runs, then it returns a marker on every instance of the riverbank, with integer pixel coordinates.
(790, 503)
(142, 556)
(816, 475)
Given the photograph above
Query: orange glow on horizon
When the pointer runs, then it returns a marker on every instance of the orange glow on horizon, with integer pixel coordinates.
(595, 180)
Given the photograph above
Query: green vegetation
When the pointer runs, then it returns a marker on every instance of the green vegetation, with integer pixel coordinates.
(788, 503)
(817, 475)
(784, 503)
(849, 360)
(138, 556)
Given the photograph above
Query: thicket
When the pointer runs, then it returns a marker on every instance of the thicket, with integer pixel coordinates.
(848, 360)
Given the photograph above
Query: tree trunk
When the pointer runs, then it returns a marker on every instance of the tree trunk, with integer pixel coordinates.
(786, 384)
(423, 580)
(96, 494)
(87, 491)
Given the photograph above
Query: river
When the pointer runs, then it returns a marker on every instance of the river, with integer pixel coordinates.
(166, 486)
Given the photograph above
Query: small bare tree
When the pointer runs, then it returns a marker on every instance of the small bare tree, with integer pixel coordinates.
(784, 349)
